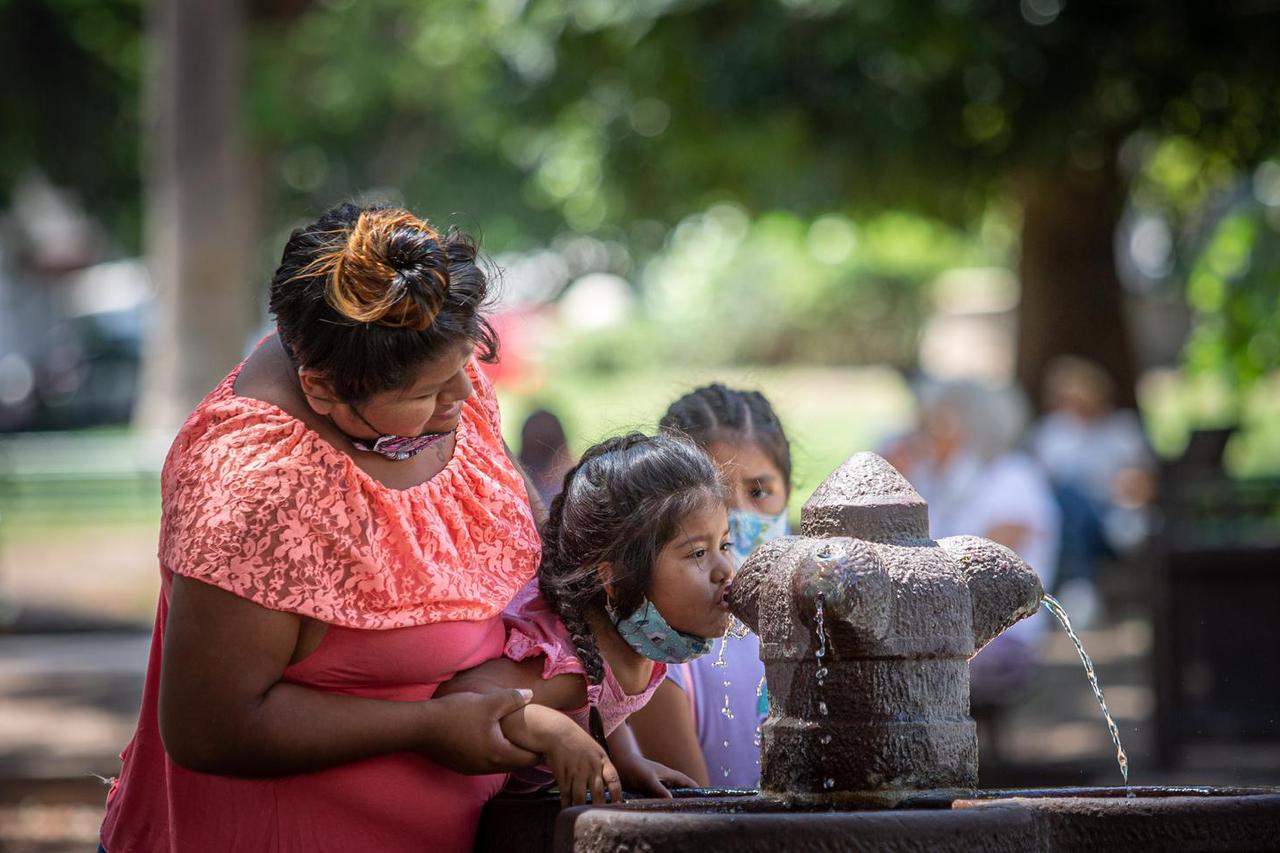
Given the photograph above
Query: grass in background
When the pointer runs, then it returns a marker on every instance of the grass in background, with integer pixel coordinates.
(831, 413)
(828, 413)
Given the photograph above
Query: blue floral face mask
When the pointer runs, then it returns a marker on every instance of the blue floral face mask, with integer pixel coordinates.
(652, 636)
(749, 530)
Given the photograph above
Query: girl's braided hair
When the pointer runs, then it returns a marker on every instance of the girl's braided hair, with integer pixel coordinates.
(717, 413)
(621, 504)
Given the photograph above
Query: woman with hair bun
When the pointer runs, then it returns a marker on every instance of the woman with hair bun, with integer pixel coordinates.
(342, 526)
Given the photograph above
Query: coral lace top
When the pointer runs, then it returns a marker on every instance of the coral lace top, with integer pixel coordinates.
(411, 583)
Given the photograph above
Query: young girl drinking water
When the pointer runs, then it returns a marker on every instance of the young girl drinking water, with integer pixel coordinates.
(696, 723)
(634, 576)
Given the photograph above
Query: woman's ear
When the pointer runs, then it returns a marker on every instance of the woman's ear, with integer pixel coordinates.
(318, 390)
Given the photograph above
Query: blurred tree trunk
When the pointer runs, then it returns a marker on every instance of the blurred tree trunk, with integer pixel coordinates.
(200, 206)
(1071, 298)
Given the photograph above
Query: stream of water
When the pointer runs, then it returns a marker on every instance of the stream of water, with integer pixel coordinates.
(1051, 604)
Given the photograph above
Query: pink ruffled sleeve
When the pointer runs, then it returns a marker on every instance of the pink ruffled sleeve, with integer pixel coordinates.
(533, 629)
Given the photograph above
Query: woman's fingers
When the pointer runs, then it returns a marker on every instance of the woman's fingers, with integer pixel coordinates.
(505, 753)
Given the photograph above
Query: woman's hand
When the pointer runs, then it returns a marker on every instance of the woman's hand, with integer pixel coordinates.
(469, 738)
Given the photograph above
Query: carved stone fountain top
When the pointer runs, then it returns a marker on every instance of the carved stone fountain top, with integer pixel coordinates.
(903, 614)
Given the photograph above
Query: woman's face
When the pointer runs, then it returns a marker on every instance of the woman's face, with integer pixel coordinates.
(755, 483)
(690, 581)
(431, 402)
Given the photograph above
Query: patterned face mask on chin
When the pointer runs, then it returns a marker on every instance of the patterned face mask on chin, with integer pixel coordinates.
(650, 635)
(749, 530)
(397, 448)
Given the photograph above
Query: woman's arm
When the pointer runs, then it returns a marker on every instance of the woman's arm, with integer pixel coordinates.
(666, 732)
(223, 708)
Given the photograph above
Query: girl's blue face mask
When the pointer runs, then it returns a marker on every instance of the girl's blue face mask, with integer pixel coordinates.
(650, 635)
(749, 530)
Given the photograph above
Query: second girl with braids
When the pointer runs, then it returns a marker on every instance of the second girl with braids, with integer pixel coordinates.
(635, 572)
(704, 720)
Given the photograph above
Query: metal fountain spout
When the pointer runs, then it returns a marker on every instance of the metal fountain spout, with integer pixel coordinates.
(883, 711)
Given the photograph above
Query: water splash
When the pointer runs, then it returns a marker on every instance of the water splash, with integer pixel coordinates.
(724, 644)
(737, 628)
(828, 783)
(760, 687)
(726, 710)
(821, 672)
(1051, 604)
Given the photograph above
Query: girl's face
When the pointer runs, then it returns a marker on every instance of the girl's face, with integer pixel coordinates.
(691, 579)
(755, 483)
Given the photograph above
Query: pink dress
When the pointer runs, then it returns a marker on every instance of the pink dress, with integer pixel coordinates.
(411, 583)
(533, 629)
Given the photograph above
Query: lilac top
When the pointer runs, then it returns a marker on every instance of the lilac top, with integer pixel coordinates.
(731, 745)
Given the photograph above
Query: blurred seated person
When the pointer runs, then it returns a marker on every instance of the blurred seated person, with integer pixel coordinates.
(1103, 475)
(544, 453)
(963, 462)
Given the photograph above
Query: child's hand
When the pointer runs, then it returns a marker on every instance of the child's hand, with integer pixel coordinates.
(579, 765)
(650, 777)
(577, 761)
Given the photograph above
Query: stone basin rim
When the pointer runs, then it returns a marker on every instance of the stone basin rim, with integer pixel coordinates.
(688, 799)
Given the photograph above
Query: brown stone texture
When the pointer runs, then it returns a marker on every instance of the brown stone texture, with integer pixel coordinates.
(902, 615)
(1244, 821)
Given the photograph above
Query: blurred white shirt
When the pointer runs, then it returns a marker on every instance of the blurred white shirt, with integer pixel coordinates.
(970, 497)
(1088, 454)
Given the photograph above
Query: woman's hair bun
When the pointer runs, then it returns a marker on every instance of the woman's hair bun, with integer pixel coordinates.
(393, 270)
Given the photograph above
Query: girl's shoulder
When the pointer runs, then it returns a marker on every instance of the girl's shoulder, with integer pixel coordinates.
(534, 629)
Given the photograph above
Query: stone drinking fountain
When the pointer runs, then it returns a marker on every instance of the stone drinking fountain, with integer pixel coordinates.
(867, 626)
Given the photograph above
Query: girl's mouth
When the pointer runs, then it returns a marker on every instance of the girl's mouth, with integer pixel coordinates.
(723, 601)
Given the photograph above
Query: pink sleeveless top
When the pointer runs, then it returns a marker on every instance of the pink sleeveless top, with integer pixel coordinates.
(533, 630)
(410, 582)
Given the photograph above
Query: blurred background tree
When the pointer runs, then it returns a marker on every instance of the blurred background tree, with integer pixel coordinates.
(820, 105)
(866, 145)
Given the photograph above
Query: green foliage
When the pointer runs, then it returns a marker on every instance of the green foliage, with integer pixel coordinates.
(1234, 290)
(779, 288)
(817, 105)
(409, 101)
(72, 72)
(522, 118)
